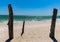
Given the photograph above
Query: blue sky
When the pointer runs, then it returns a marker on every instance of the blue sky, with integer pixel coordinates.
(30, 7)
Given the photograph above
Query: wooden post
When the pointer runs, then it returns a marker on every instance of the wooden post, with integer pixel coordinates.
(23, 28)
(10, 23)
(52, 30)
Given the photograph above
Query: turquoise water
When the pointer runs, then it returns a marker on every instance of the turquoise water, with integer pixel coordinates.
(27, 18)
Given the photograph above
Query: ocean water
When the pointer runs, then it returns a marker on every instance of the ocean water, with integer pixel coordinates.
(26, 18)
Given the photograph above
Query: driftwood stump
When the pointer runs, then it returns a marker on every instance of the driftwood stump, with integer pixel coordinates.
(23, 28)
(52, 30)
(10, 23)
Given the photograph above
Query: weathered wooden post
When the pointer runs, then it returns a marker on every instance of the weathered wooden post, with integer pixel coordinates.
(23, 28)
(52, 30)
(10, 23)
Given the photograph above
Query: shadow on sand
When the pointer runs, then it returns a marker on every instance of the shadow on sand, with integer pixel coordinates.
(54, 39)
(8, 40)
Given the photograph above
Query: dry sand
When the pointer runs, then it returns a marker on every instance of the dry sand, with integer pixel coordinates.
(35, 31)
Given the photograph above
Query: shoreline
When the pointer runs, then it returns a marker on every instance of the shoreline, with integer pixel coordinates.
(18, 21)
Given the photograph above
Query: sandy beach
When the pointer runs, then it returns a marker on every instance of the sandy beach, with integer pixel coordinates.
(35, 31)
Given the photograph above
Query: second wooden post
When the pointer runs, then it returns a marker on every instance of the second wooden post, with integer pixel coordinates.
(10, 23)
(52, 30)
